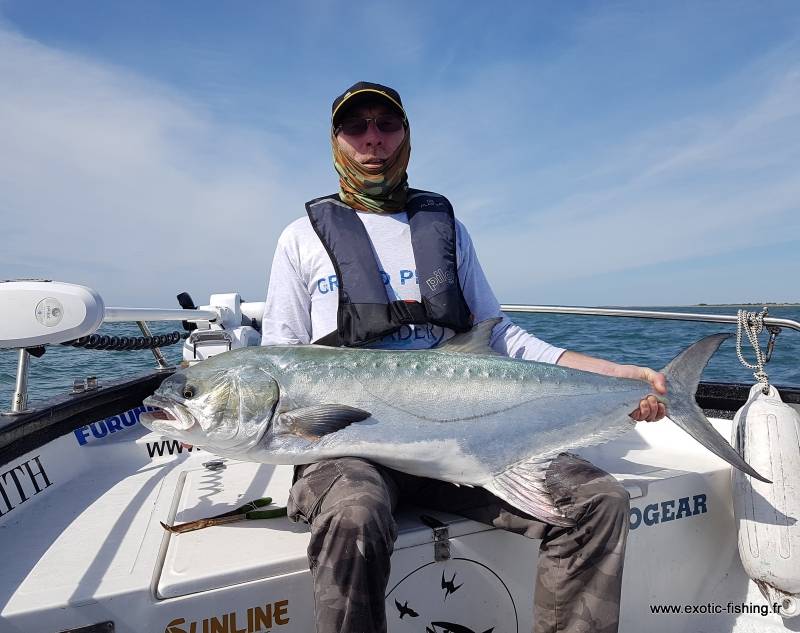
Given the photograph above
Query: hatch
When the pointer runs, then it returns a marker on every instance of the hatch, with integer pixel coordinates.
(235, 553)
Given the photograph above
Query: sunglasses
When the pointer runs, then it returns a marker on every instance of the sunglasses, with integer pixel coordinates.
(355, 126)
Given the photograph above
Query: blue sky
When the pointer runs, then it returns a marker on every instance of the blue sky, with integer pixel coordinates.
(599, 152)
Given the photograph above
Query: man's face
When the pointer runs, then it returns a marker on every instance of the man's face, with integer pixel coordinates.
(373, 147)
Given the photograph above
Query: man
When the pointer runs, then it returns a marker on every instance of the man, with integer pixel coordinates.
(387, 266)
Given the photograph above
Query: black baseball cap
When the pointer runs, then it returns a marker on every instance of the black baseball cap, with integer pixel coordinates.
(365, 90)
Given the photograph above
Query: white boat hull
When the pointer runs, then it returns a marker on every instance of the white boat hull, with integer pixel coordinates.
(81, 544)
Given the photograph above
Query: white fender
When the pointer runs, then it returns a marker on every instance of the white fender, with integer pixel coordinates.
(766, 432)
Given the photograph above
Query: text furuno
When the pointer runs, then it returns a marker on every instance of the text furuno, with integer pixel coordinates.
(21, 482)
(254, 620)
(102, 428)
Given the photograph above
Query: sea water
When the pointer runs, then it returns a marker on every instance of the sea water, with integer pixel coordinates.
(624, 340)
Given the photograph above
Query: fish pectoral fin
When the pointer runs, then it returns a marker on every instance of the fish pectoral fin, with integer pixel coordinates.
(524, 487)
(321, 419)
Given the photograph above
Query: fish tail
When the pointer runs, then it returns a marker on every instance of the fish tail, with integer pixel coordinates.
(683, 375)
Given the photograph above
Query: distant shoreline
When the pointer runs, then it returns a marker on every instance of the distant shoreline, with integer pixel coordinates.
(752, 307)
(736, 305)
(640, 306)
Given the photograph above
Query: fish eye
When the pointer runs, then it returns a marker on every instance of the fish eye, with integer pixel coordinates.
(188, 391)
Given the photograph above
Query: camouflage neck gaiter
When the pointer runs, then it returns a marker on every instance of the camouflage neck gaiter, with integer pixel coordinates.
(384, 192)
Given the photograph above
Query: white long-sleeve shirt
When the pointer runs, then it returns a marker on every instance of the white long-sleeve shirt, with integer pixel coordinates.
(303, 295)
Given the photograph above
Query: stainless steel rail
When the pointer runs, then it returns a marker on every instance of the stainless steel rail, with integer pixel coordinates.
(115, 315)
(645, 314)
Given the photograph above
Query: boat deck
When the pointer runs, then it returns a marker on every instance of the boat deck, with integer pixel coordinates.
(82, 542)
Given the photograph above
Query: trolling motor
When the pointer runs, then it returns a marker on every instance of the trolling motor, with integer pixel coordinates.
(39, 312)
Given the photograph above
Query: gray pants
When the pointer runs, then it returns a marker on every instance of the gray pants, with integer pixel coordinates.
(349, 503)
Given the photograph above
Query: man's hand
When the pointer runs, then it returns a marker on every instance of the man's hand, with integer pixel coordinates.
(650, 409)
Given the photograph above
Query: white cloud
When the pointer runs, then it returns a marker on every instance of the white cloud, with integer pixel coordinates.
(117, 182)
(713, 180)
(113, 180)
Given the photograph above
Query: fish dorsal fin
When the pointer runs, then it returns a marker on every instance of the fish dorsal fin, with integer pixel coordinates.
(321, 419)
(476, 341)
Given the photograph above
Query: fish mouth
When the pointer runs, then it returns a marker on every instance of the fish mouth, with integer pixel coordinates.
(167, 416)
(159, 414)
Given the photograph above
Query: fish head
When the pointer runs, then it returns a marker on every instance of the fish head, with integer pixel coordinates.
(216, 405)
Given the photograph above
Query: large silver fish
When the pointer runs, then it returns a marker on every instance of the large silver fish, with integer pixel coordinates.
(478, 419)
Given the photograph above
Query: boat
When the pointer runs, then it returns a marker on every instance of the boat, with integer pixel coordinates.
(85, 489)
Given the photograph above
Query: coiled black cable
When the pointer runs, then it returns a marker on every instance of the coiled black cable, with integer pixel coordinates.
(124, 343)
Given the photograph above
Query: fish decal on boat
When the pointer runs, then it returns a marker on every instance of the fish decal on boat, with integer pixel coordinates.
(459, 412)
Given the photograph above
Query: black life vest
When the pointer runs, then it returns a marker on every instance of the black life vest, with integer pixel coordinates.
(365, 313)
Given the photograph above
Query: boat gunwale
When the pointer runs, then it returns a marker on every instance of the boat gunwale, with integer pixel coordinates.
(25, 432)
